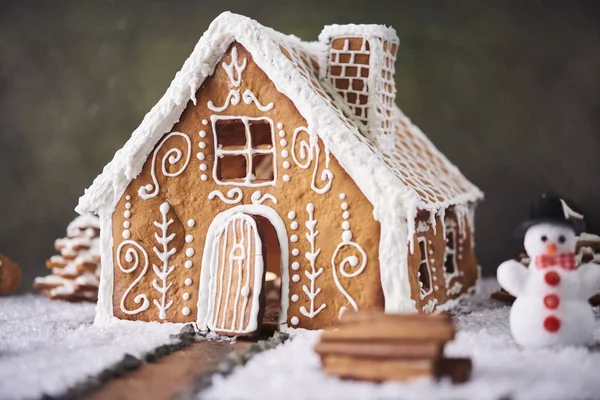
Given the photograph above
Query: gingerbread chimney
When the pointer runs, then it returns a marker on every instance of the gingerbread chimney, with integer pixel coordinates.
(360, 66)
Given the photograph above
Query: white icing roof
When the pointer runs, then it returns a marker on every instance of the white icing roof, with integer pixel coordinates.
(411, 171)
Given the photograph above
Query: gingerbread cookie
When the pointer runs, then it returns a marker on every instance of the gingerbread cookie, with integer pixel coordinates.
(10, 275)
(377, 347)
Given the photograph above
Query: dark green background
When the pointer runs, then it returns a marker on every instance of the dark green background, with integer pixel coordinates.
(508, 90)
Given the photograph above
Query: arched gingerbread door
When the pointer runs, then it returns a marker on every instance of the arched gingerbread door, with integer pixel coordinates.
(237, 277)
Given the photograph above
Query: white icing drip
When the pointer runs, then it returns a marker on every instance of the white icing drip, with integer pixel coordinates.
(314, 273)
(308, 152)
(432, 221)
(131, 255)
(164, 254)
(422, 227)
(257, 199)
(411, 217)
(173, 155)
(234, 195)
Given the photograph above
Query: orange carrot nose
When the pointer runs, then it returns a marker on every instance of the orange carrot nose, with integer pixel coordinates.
(551, 248)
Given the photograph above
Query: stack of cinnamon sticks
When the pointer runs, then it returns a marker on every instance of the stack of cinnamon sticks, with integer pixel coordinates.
(379, 347)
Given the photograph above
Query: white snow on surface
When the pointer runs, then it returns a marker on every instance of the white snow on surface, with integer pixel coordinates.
(48, 346)
(501, 369)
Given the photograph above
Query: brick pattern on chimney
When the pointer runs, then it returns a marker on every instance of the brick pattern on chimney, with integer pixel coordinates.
(386, 88)
(349, 73)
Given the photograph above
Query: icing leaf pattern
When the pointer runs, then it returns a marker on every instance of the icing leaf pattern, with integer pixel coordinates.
(312, 275)
(164, 254)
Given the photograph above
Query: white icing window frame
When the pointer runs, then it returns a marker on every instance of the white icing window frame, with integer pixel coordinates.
(424, 259)
(451, 227)
(249, 151)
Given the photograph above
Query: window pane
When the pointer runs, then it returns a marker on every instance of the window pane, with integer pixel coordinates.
(424, 277)
(422, 248)
(261, 134)
(262, 167)
(449, 263)
(450, 239)
(231, 167)
(231, 133)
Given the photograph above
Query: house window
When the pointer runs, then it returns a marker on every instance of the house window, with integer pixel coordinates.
(244, 151)
(450, 267)
(424, 273)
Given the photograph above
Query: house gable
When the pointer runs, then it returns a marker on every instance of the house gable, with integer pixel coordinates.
(324, 212)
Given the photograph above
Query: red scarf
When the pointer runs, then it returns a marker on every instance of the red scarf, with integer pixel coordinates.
(563, 260)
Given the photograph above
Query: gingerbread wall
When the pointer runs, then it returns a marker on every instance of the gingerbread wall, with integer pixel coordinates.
(445, 284)
(178, 183)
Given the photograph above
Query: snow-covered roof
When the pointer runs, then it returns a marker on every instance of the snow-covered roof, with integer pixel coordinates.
(409, 170)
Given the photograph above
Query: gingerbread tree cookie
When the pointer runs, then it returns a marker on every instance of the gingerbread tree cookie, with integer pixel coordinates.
(76, 270)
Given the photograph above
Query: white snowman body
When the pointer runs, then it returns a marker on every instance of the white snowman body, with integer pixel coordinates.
(551, 306)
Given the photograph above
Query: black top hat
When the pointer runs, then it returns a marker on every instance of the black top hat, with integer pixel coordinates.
(549, 207)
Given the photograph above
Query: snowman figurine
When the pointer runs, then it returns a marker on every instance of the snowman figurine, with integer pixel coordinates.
(551, 306)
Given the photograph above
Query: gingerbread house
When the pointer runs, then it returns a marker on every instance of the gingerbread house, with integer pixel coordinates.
(268, 153)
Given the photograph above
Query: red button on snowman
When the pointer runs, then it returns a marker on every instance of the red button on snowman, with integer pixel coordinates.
(551, 306)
